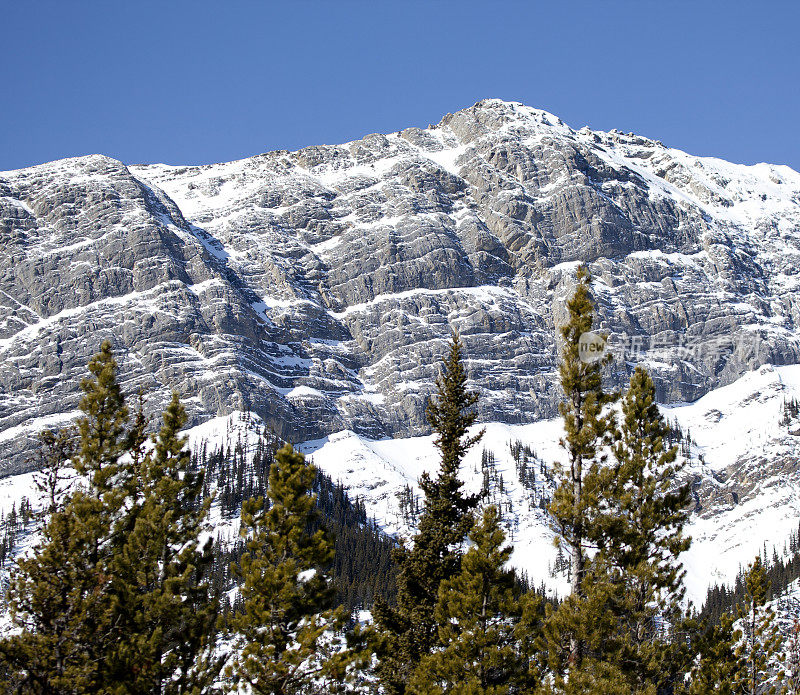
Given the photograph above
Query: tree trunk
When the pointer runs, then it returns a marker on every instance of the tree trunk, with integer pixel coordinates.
(577, 562)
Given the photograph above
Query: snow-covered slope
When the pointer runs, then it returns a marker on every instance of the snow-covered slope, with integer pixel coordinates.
(378, 471)
(748, 495)
(743, 462)
(733, 429)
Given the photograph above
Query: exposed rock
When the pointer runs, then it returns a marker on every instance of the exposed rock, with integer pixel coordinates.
(318, 288)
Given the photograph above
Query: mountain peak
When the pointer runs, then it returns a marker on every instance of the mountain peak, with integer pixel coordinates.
(493, 115)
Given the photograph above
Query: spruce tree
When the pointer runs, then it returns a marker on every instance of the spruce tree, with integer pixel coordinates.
(408, 630)
(480, 623)
(587, 430)
(287, 597)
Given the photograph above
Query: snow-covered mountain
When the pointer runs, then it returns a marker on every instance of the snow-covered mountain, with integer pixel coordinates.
(317, 289)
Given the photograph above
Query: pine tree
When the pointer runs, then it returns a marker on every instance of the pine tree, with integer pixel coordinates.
(50, 595)
(52, 455)
(588, 620)
(408, 630)
(760, 646)
(743, 656)
(103, 428)
(587, 430)
(718, 666)
(480, 624)
(162, 599)
(60, 596)
(112, 600)
(638, 528)
(286, 596)
(599, 676)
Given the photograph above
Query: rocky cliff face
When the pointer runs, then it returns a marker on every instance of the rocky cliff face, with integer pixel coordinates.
(317, 288)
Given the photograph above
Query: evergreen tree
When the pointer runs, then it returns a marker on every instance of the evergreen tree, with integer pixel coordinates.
(286, 595)
(744, 656)
(163, 599)
(589, 620)
(112, 600)
(60, 595)
(760, 644)
(103, 428)
(52, 455)
(11, 680)
(408, 630)
(50, 595)
(638, 528)
(718, 666)
(600, 676)
(480, 624)
(587, 429)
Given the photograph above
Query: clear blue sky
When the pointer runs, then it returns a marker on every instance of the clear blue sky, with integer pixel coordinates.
(200, 82)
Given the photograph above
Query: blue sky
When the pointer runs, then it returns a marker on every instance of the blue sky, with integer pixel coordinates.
(200, 82)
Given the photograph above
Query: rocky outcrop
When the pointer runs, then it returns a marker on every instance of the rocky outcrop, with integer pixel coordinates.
(317, 288)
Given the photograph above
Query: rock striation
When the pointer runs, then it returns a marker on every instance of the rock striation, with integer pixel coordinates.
(318, 288)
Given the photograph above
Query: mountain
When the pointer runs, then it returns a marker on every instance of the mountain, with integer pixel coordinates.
(317, 288)
(741, 443)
